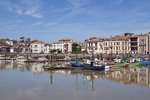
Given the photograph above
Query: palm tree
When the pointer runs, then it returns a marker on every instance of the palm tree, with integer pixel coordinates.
(22, 39)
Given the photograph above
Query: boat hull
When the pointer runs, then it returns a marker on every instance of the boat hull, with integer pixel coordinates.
(124, 65)
(78, 65)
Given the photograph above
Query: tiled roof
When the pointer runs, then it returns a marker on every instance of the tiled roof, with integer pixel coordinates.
(94, 39)
(65, 40)
(37, 42)
(118, 38)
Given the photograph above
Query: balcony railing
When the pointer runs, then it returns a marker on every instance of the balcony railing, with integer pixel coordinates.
(133, 41)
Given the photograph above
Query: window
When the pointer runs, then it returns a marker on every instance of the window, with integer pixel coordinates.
(123, 48)
(111, 43)
(116, 48)
(96, 44)
(118, 43)
(35, 46)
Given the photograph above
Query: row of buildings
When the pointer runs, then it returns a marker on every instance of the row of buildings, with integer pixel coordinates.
(35, 46)
(125, 43)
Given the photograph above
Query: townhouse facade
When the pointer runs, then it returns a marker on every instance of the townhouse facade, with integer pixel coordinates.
(64, 45)
(39, 47)
(148, 42)
(56, 46)
(6, 45)
(124, 43)
(139, 44)
(94, 45)
(117, 45)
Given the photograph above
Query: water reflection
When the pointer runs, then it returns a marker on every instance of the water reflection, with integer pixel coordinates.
(129, 76)
(139, 76)
(22, 81)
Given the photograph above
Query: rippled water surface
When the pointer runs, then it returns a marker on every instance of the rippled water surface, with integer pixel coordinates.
(30, 82)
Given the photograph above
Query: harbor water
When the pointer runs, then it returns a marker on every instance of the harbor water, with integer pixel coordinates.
(21, 81)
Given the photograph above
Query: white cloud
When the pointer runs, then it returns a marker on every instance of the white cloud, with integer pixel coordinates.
(23, 7)
(76, 7)
(33, 11)
(118, 1)
(37, 15)
(51, 24)
(77, 3)
(37, 24)
(19, 11)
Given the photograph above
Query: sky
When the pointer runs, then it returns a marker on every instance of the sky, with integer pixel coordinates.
(51, 20)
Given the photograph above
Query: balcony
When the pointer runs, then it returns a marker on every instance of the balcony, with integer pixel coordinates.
(133, 46)
(133, 41)
(142, 44)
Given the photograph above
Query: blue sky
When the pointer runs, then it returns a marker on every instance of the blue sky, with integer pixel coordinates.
(50, 20)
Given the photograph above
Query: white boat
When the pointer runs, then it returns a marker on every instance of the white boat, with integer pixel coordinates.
(21, 59)
(67, 58)
(42, 59)
(3, 57)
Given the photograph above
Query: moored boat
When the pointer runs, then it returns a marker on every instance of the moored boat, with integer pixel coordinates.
(121, 64)
(82, 66)
(21, 59)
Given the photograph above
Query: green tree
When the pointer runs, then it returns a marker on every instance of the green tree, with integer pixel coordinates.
(84, 52)
(76, 48)
(53, 51)
(58, 51)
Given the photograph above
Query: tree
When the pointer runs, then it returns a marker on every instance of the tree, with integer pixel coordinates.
(76, 48)
(22, 39)
(53, 51)
(84, 52)
(58, 51)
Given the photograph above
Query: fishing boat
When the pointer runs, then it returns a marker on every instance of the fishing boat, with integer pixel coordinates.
(42, 59)
(136, 64)
(77, 64)
(96, 62)
(144, 62)
(82, 66)
(21, 59)
(120, 62)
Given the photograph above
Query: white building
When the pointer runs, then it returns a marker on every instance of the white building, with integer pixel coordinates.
(64, 45)
(9, 42)
(94, 45)
(57, 46)
(39, 47)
